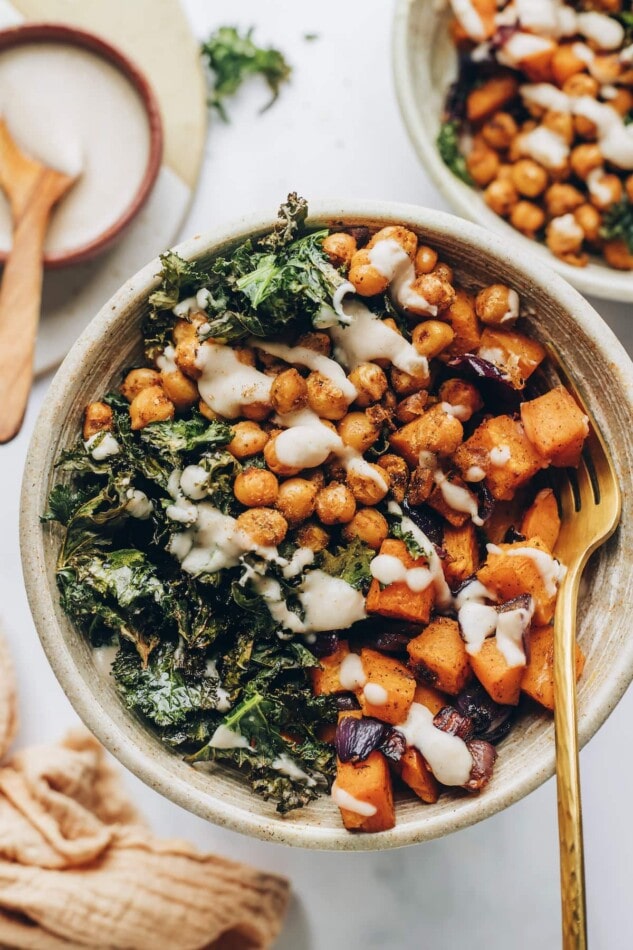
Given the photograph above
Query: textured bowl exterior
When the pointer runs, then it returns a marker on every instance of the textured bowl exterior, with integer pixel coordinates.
(603, 370)
(425, 64)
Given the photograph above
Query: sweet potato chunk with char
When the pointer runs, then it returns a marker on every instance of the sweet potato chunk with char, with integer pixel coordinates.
(430, 697)
(415, 773)
(501, 682)
(556, 427)
(325, 679)
(438, 501)
(391, 700)
(438, 656)
(368, 785)
(463, 320)
(513, 462)
(491, 96)
(542, 520)
(516, 571)
(462, 552)
(518, 355)
(397, 600)
(538, 679)
(435, 431)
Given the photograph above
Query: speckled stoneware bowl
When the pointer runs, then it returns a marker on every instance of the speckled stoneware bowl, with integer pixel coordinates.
(425, 64)
(112, 341)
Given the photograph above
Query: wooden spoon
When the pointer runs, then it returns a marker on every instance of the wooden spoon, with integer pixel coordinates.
(32, 189)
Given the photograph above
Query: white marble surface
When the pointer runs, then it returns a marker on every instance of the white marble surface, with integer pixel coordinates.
(336, 132)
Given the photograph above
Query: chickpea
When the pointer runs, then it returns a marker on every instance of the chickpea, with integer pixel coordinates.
(497, 304)
(296, 500)
(411, 406)
(150, 405)
(207, 412)
(370, 383)
(273, 463)
(561, 199)
(431, 337)
(505, 173)
(325, 397)
(182, 391)
(590, 220)
(501, 196)
(256, 488)
(357, 431)
(335, 504)
(316, 341)
(367, 280)
(605, 190)
(529, 178)
(313, 536)
(436, 290)
(407, 239)
(565, 64)
(368, 525)
(256, 411)
(97, 416)
(618, 255)
(340, 248)
(138, 379)
(185, 357)
(561, 123)
(405, 384)
(584, 127)
(622, 101)
(398, 472)
(444, 271)
(425, 260)
(581, 85)
(482, 162)
(421, 485)
(499, 130)
(585, 158)
(368, 488)
(248, 439)
(265, 526)
(606, 68)
(316, 477)
(527, 217)
(564, 235)
(289, 392)
(457, 392)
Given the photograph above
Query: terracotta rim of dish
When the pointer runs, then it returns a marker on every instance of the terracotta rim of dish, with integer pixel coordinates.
(69, 35)
(126, 736)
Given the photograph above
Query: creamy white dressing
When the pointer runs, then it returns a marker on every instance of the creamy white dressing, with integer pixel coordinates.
(566, 226)
(303, 356)
(366, 338)
(102, 445)
(521, 47)
(224, 701)
(447, 756)
(328, 603)
(337, 299)
(606, 32)
(443, 596)
(215, 543)
(344, 800)
(388, 569)
(167, 360)
(138, 504)
(474, 473)
(391, 260)
(225, 738)
(512, 313)
(511, 627)
(184, 307)
(469, 19)
(499, 455)
(458, 498)
(598, 189)
(227, 385)
(477, 622)
(297, 564)
(351, 673)
(104, 657)
(546, 147)
(552, 571)
(462, 413)
(285, 764)
(194, 482)
(375, 694)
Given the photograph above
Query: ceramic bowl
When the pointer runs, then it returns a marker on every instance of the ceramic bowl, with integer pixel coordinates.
(96, 362)
(425, 64)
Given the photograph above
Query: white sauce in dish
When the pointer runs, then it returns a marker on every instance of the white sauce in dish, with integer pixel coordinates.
(474, 474)
(287, 766)
(499, 455)
(375, 694)
(469, 19)
(225, 738)
(224, 701)
(462, 413)
(545, 147)
(443, 596)
(392, 261)
(138, 504)
(388, 569)
(597, 188)
(552, 571)
(194, 482)
(447, 756)
(511, 626)
(166, 362)
(303, 356)
(458, 498)
(351, 673)
(102, 445)
(344, 800)
(367, 338)
(603, 30)
(227, 385)
(477, 622)
(567, 226)
(301, 558)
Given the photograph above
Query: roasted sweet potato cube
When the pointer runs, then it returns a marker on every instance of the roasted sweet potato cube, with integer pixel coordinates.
(438, 500)
(430, 697)
(505, 515)
(434, 431)
(501, 682)
(490, 96)
(542, 520)
(513, 462)
(556, 427)
(366, 787)
(465, 325)
(388, 692)
(438, 656)
(518, 355)
(415, 773)
(325, 678)
(397, 600)
(462, 552)
(538, 680)
(516, 571)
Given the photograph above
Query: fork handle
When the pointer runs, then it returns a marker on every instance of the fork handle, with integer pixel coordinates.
(572, 870)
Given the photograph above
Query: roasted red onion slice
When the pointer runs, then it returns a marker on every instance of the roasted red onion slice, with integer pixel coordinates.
(491, 721)
(346, 702)
(426, 520)
(358, 738)
(494, 384)
(324, 644)
(484, 757)
(448, 719)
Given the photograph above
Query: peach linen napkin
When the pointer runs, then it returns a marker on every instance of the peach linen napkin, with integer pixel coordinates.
(78, 868)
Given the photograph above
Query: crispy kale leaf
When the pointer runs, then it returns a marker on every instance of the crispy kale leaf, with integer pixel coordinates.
(350, 563)
(618, 223)
(414, 549)
(291, 219)
(448, 147)
(179, 437)
(178, 279)
(233, 57)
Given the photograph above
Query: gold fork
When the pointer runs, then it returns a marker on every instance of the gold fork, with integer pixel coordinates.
(590, 502)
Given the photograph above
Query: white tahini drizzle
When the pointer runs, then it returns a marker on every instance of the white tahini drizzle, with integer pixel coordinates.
(226, 384)
(390, 570)
(225, 738)
(285, 764)
(351, 673)
(375, 694)
(138, 504)
(224, 701)
(447, 756)
(167, 360)
(552, 571)
(366, 337)
(303, 356)
(458, 498)
(392, 261)
(443, 594)
(344, 800)
(102, 445)
(500, 454)
(469, 19)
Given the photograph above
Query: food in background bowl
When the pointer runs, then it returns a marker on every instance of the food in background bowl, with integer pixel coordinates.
(539, 118)
(314, 522)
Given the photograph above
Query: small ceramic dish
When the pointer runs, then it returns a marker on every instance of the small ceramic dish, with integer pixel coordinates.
(113, 341)
(425, 64)
(75, 102)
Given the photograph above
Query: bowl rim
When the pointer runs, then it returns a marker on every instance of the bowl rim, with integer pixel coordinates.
(42, 598)
(63, 34)
(594, 279)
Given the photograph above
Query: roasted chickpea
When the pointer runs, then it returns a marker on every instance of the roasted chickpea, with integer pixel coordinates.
(340, 248)
(444, 271)
(265, 526)
(370, 383)
(431, 337)
(606, 68)
(398, 472)
(186, 354)
(436, 291)
(499, 130)
(565, 63)
(604, 190)
(357, 431)
(497, 304)
(367, 280)
(617, 254)
(407, 240)
(138, 379)
(273, 463)
(335, 504)
(289, 392)
(561, 123)
(581, 85)
(368, 525)
(501, 196)
(368, 488)
(248, 439)
(256, 411)
(622, 101)
(420, 485)
(325, 397)
(561, 199)
(316, 341)
(150, 405)
(482, 162)
(313, 536)
(529, 178)
(585, 158)
(564, 235)
(405, 384)
(97, 416)
(527, 217)
(256, 488)
(458, 392)
(584, 127)
(207, 412)
(590, 220)
(425, 260)
(296, 500)
(411, 406)
(182, 391)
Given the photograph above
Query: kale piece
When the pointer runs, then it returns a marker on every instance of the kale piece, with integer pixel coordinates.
(450, 153)
(350, 562)
(618, 223)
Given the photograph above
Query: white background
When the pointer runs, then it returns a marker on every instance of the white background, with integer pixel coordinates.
(336, 132)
